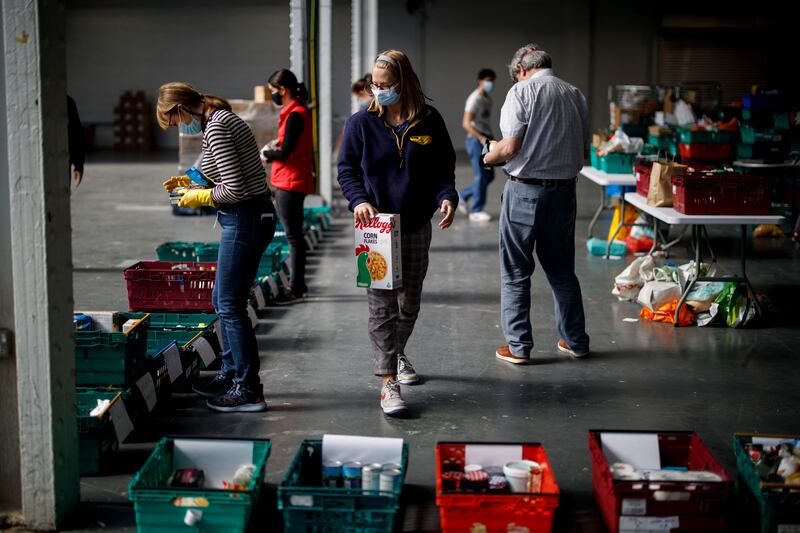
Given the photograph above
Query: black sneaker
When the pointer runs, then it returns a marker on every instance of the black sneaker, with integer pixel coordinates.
(214, 387)
(287, 298)
(238, 400)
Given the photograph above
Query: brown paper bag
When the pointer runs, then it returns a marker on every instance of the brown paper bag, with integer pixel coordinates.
(660, 192)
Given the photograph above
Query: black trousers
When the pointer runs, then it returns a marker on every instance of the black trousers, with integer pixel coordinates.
(290, 211)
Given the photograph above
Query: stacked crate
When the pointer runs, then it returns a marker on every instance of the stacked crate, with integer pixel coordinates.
(133, 123)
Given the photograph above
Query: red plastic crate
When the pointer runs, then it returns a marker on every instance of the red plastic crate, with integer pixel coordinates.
(157, 286)
(726, 193)
(463, 511)
(642, 172)
(705, 152)
(698, 506)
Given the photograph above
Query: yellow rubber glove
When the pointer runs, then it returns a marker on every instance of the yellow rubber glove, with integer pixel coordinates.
(195, 198)
(176, 181)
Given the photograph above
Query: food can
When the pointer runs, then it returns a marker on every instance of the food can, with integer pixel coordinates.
(391, 466)
(351, 474)
(371, 476)
(391, 480)
(331, 473)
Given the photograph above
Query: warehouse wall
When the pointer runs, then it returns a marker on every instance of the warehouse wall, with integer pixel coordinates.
(221, 48)
(460, 37)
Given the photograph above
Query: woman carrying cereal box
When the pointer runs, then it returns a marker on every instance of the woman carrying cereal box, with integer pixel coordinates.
(397, 158)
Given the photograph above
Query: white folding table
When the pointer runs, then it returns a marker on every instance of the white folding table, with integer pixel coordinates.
(698, 223)
(604, 179)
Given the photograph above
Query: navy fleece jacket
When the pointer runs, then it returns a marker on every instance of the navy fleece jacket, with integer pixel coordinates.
(409, 174)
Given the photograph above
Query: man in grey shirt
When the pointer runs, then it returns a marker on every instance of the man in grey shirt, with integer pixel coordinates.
(544, 122)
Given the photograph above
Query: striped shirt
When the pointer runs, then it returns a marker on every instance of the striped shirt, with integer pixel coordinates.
(551, 118)
(231, 159)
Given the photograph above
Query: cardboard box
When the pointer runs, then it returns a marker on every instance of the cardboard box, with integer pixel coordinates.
(378, 253)
(260, 94)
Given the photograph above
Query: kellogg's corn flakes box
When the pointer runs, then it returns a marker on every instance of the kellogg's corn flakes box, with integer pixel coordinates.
(378, 253)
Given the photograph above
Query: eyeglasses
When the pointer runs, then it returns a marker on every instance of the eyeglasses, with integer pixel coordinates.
(381, 87)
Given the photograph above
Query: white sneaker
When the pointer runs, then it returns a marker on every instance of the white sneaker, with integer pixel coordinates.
(405, 371)
(391, 401)
(480, 216)
(462, 205)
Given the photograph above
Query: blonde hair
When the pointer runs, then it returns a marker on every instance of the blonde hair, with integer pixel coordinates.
(412, 99)
(170, 95)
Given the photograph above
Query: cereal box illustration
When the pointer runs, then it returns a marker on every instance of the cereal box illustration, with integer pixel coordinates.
(377, 250)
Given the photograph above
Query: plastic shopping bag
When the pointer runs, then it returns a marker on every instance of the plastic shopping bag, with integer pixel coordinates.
(628, 283)
(655, 294)
(666, 313)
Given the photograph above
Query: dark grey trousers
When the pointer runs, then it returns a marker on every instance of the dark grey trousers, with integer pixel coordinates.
(392, 313)
(540, 218)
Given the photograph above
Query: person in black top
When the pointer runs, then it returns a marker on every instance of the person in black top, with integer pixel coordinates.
(77, 147)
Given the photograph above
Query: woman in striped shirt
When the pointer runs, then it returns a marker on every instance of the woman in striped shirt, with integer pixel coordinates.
(247, 217)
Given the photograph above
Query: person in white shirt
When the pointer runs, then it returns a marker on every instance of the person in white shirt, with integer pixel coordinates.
(476, 123)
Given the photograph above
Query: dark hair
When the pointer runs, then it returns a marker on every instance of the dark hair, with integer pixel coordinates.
(362, 84)
(285, 78)
(486, 73)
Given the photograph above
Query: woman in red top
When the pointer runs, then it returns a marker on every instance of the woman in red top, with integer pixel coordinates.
(292, 172)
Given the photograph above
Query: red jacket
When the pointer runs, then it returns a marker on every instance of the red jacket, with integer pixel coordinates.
(295, 173)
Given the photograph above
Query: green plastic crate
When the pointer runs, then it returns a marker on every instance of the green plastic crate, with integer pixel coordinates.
(177, 251)
(112, 358)
(309, 507)
(617, 163)
(751, 135)
(96, 437)
(705, 137)
(777, 504)
(161, 508)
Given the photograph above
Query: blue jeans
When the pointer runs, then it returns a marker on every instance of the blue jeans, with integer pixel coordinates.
(246, 233)
(540, 218)
(483, 177)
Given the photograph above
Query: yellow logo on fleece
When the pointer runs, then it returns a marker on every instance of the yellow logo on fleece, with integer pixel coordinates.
(421, 139)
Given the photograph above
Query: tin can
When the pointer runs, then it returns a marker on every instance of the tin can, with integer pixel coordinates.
(391, 466)
(351, 475)
(371, 476)
(391, 480)
(331, 473)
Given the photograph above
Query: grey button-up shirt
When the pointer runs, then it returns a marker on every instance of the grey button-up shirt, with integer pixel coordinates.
(551, 118)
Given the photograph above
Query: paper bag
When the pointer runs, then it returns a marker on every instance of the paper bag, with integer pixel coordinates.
(660, 192)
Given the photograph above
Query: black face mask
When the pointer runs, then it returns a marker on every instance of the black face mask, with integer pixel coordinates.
(276, 97)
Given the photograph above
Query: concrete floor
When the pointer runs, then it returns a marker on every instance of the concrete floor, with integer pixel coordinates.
(316, 359)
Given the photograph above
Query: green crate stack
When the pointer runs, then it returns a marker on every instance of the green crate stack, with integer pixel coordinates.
(96, 437)
(184, 328)
(112, 358)
(778, 507)
(160, 507)
(687, 136)
(177, 251)
(308, 506)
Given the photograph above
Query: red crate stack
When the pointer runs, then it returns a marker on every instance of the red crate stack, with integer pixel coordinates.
(495, 512)
(642, 171)
(696, 506)
(133, 123)
(720, 193)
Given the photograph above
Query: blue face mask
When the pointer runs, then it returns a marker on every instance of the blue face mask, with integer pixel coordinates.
(193, 128)
(386, 97)
(488, 86)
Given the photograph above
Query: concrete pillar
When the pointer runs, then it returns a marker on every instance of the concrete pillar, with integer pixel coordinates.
(363, 39)
(10, 499)
(355, 48)
(297, 38)
(325, 99)
(41, 259)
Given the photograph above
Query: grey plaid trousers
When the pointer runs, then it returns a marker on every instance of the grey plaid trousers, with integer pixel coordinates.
(392, 313)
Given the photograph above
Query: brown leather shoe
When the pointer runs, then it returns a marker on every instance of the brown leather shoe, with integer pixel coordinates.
(564, 347)
(505, 354)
